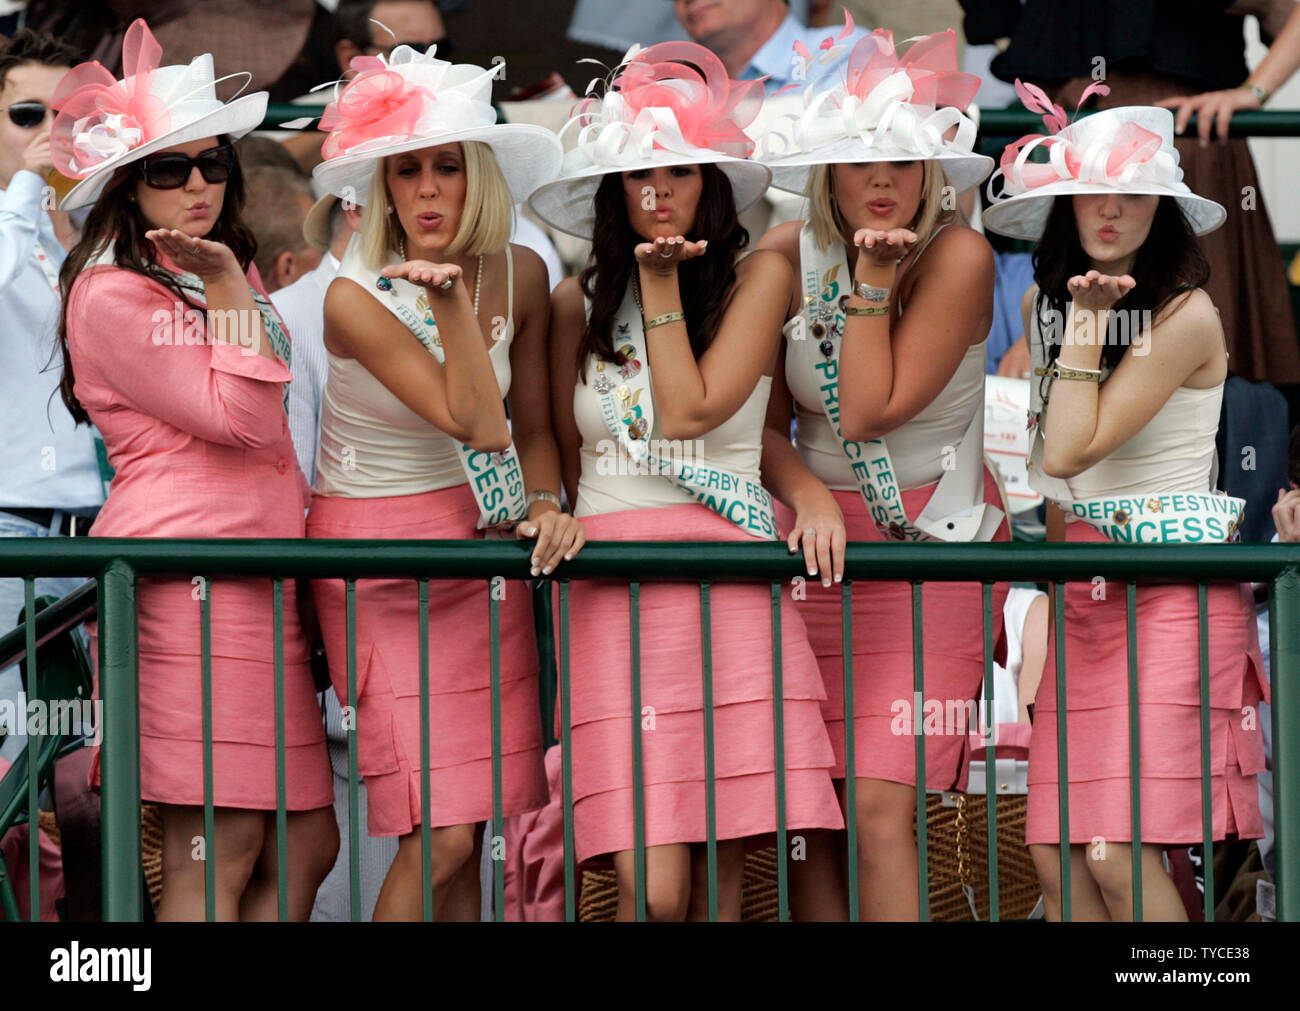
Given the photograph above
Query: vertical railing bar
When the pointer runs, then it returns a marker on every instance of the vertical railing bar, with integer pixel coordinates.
(1062, 747)
(209, 816)
(34, 745)
(426, 812)
(990, 725)
(281, 814)
(1207, 808)
(496, 840)
(850, 747)
(566, 758)
(638, 796)
(710, 786)
(119, 689)
(778, 740)
(1134, 748)
(918, 709)
(354, 832)
(1284, 620)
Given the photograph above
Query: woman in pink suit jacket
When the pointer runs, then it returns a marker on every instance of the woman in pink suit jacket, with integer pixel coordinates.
(192, 409)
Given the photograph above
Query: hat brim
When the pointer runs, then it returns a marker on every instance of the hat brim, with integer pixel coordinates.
(962, 170)
(1025, 215)
(568, 203)
(527, 155)
(316, 226)
(233, 119)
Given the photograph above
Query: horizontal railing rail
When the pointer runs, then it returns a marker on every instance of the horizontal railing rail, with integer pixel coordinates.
(1001, 123)
(120, 562)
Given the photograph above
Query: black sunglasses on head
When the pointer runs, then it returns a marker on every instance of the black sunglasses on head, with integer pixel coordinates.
(27, 115)
(171, 170)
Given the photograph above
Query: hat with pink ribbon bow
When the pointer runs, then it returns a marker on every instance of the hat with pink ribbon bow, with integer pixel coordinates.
(871, 103)
(104, 123)
(1129, 149)
(415, 100)
(670, 104)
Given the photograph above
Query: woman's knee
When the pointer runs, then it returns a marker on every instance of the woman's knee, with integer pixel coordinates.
(313, 841)
(885, 812)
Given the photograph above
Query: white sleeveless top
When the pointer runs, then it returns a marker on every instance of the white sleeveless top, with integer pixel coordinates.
(1174, 451)
(608, 481)
(373, 446)
(916, 446)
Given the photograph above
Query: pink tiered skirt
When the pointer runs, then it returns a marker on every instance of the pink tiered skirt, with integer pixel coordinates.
(671, 717)
(243, 698)
(460, 699)
(883, 703)
(1097, 725)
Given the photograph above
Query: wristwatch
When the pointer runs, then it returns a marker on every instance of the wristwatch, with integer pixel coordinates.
(870, 292)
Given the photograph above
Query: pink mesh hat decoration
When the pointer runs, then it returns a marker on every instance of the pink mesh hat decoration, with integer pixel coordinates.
(103, 123)
(670, 104)
(1129, 149)
(415, 100)
(873, 104)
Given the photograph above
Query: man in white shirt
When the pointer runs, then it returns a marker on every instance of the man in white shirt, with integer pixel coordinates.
(50, 483)
(753, 38)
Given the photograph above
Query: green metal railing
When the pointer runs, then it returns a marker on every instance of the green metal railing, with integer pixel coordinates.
(999, 123)
(121, 562)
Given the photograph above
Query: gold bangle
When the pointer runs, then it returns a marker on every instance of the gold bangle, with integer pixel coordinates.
(664, 320)
(866, 310)
(1062, 372)
(1262, 94)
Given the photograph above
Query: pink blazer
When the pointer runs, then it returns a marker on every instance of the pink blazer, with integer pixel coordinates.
(197, 433)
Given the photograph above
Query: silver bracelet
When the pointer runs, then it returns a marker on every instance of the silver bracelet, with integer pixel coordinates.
(542, 495)
(870, 292)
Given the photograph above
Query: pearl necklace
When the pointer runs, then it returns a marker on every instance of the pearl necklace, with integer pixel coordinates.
(478, 272)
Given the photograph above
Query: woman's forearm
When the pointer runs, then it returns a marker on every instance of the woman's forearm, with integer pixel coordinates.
(230, 305)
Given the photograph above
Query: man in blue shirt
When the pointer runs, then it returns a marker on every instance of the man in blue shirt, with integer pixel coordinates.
(754, 38)
(50, 483)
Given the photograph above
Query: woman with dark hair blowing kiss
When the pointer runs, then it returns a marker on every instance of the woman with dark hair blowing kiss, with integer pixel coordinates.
(1129, 369)
(194, 418)
(661, 362)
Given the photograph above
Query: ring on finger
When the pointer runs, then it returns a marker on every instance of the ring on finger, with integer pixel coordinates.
(446, 285)
(667, 254)
(809, 531)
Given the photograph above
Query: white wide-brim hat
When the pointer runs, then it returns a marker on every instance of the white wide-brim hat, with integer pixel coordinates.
(866, 104)
(669, 104)
(1128, 149)
(568, 203)
(962, 170)
(414, 101)
(103, 123)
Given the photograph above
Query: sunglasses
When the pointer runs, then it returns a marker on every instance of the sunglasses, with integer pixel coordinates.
(171, 171)
(27, 115)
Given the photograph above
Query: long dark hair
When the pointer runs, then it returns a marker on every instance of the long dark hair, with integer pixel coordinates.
(706, 282)
(1169, 263)
(116, 218)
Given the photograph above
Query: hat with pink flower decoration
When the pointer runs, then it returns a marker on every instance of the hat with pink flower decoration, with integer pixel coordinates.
(869, 103)
(1129, 149)
(103, 123)
(669, 104)
(414, 100)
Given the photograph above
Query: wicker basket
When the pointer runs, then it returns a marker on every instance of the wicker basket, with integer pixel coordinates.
(151, 839)
(957, 848)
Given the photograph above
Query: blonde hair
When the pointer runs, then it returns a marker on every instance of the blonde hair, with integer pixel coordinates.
(830, 227)
(485, 220)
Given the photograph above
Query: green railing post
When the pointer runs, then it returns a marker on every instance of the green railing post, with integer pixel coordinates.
(35, 745)
(1284, 633)
(120, 758)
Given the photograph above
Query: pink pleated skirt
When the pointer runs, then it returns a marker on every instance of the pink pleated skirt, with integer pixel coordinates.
(460, 670)
(884, 704)
(1097, 724)
(671, 717)
(243, 697)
